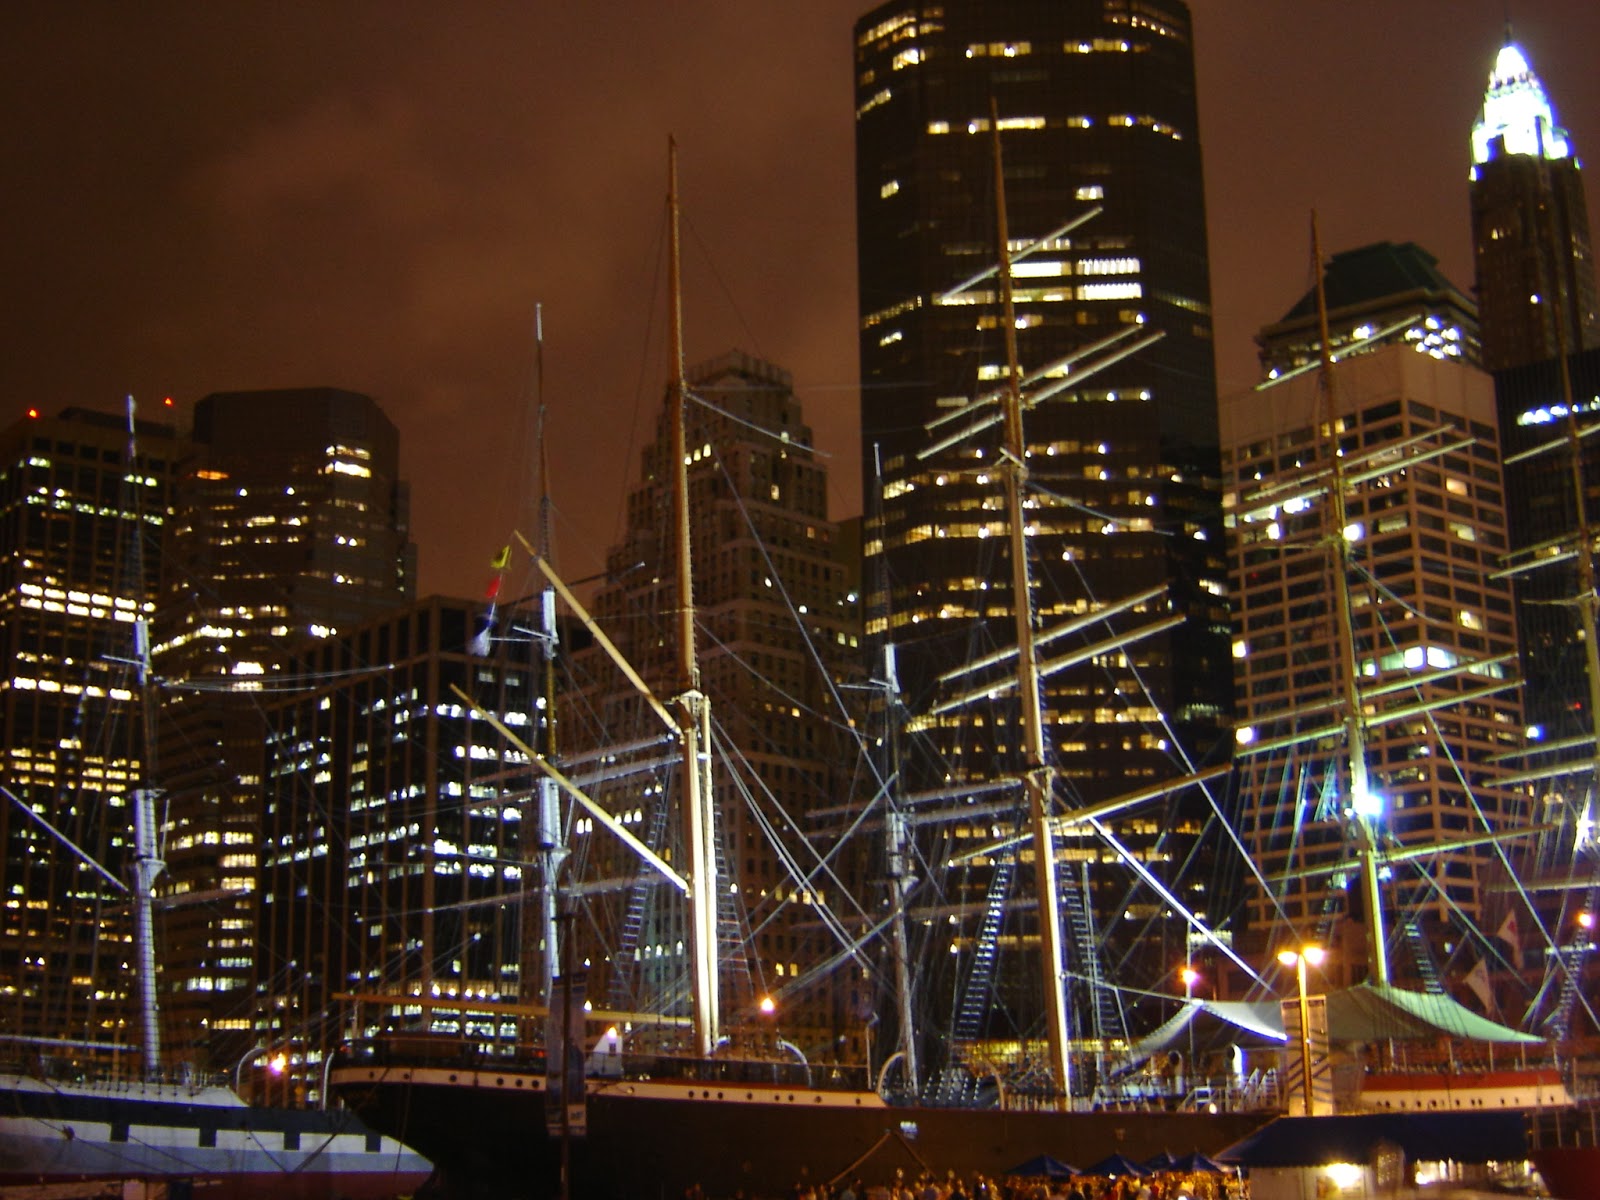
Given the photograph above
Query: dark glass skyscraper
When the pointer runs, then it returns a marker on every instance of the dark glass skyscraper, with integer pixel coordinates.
(1096, 113)
(1541, 337)
(292, 524)
(83, 503)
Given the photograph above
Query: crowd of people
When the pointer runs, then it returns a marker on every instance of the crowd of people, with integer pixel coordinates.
(927, 1186)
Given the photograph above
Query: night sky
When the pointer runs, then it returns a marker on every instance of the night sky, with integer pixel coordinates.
(232, 194)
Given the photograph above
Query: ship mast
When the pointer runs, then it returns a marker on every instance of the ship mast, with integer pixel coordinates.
(692, 705)
(1360, 799)
(898, 849)
(1039, 775)
(147, 861)
(552, 850)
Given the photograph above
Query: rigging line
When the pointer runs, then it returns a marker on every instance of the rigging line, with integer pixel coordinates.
(646, 371)
(1556, 956)
(781, 438)
(828, 918)
(851, 950)
(1165, 893)
(790, 862)
(1399, 601)
(805, 634)
(1471, 794)
(733, 656)
(732, 752)
(275, 684)
(722, 285)
(1071, 505)
(1188, 763)
(1483, 941)
(82, 854)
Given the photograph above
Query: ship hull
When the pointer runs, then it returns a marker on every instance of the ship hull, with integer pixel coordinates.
(1565, 1147)
(486, 1131)
(1569, 1172)
(75, 1133)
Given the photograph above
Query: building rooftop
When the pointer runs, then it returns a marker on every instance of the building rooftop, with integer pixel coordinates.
(1374, 273)
(1385, 292)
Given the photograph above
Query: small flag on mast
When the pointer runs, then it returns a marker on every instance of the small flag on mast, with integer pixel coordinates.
(485, 633)
(1507, 933)
(1478, 980)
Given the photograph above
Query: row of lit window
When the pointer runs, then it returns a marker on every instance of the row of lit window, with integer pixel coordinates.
(977, 125)
(1145, 18)
(61, 501)
(28, 684)
(97, 599)
(913, 55)
(213, 837)
(1544, 414)
(74, 610)
(360, 840)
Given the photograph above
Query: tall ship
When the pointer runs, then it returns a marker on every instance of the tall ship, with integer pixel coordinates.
(75, 1121)
(681, 1050)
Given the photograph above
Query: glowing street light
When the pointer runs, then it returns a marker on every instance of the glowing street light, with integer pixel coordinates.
(1190, 977)
(1315, 955)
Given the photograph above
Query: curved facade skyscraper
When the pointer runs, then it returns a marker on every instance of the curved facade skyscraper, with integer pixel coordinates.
(1096, 112)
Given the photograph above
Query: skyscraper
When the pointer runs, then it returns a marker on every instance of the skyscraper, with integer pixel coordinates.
(1530, 224)
(1431, 632)
(1552, 470)
(84, 499)
(1537, 298)
(392, 861)
(777, 616)
(292, 524)
(1094, 105)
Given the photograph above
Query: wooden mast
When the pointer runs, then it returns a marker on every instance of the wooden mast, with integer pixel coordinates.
(1039, 775)
(692, 706)
(1359, 798)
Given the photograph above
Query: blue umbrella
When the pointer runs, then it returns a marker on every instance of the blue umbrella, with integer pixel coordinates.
(1161, 1162)
(1196, 1163)
(1117, 1164)
(1048, 1167)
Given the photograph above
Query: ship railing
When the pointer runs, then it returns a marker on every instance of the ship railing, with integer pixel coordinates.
(1574, 1126)
(1452, 1057)
(430, 1049)
(418, 1049)
(62, 1061)
(749, 1071)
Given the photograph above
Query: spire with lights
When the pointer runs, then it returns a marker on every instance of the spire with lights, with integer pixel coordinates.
(1517, 117)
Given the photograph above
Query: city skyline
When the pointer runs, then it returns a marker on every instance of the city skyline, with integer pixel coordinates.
(377, 196)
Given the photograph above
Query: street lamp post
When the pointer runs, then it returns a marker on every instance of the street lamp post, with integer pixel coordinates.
(1190, 977)
(1298, 960)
